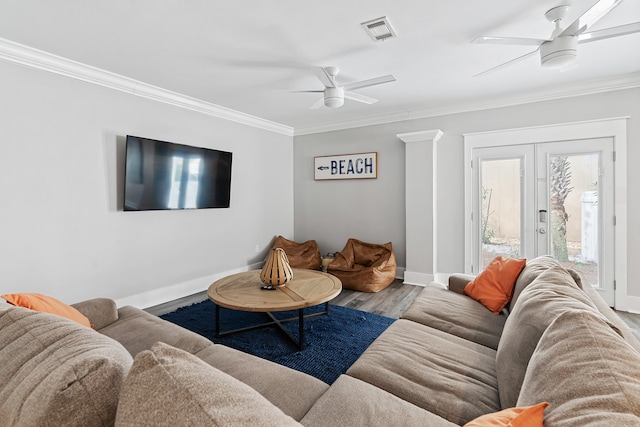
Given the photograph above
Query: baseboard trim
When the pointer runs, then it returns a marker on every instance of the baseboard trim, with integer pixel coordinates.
(166, 294)
(415, 278)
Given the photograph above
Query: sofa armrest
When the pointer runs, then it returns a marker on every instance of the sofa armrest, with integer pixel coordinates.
(457, 282)
(100, 311)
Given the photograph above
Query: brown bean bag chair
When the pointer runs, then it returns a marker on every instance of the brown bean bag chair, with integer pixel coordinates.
(301, 255)
(366, 267)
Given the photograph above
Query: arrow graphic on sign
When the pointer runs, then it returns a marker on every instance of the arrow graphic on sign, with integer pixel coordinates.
(323, 168)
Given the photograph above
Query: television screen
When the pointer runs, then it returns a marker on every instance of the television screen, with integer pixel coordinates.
(163, 175)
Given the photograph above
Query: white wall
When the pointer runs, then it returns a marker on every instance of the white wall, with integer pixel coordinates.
(62, 228)
(331, 212)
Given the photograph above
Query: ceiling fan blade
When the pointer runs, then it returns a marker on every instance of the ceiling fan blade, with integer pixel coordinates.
(322, 75)
(590, 17)
(307, 91)
(360, 98)
(513, 61)
(319, 103)
(520, 41)
(621, 30)
(370, 82)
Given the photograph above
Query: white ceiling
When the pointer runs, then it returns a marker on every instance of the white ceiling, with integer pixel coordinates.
(248, 55)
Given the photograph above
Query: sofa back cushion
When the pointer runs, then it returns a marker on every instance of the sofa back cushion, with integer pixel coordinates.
(54, 371)
(531, 271)
(589, 375)
(168, 386)
(549, 295)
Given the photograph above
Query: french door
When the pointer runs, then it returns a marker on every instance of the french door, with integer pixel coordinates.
(551, 198)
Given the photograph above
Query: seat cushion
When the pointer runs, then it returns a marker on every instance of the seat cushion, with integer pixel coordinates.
(132, 320)
(354, 403)
(57, 372)
(168, 386)
(552, 293)
(449, 376)
(300, 255)
(292, 391)
(589, 375)
(457, 314)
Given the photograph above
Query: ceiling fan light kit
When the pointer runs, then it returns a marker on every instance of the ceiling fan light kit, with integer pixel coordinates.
(334, 97)
(560, 52)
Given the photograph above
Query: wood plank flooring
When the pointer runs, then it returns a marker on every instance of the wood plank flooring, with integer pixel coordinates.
(391, 301)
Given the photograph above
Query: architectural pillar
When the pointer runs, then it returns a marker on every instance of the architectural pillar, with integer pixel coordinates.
(420, 205)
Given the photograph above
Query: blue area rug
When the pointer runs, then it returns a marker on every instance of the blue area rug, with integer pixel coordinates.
(332, 342)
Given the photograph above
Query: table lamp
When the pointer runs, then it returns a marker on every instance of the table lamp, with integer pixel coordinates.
(276, 270)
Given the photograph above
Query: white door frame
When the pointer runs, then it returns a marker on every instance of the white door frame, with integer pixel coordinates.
(615, 128)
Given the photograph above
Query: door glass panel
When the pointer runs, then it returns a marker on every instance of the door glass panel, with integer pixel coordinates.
(500, 226)
(573, 219)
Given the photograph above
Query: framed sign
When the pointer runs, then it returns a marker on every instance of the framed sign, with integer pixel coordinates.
(346, 166)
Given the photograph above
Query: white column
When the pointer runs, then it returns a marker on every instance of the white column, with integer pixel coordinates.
(420, 204)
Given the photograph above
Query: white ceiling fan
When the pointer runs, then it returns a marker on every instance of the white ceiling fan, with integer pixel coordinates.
(560, 50)
(334, 94)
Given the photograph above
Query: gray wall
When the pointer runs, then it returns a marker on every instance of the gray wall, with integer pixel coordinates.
(63, 233)
(330, 212)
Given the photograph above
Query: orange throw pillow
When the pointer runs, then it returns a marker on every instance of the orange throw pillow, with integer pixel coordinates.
(527, 416)
(46, 304)
(494, 286)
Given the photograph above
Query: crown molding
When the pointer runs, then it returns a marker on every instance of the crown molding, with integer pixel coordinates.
(628, 81)
(27, 56)
(44, 61)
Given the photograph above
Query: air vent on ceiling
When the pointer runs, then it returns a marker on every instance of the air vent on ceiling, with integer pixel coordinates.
(379, 29)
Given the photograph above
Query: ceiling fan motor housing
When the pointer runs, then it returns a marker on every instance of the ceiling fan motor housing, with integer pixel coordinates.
(559, 52)
(334, 97)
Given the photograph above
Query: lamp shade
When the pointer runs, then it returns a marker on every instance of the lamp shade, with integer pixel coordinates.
(276, 270)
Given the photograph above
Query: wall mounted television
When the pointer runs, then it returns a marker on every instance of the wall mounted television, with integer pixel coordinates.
(164, 176)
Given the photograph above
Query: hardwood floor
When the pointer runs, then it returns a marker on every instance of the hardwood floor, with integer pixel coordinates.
(390, 302)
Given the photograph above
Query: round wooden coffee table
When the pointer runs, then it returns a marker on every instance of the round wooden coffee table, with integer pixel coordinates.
(243, 292)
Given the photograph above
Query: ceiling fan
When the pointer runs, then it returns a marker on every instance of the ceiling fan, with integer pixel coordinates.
(334, 94)
(560, 50)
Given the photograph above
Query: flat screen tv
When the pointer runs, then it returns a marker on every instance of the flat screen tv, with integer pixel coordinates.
(163, 175)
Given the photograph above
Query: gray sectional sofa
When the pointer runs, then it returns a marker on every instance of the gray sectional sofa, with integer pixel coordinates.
(447, 361)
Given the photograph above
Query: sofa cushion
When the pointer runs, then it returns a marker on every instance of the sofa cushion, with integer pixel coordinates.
(57, 372)
(168, 386)
(528, 416)
(132, 320)
(351, 402)
(529, 273)
(493, 287)
(47, 304)
(101, 312)
(587, 373)
(292, 391)
(549, 295)
(444, 374)
(456, 314)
